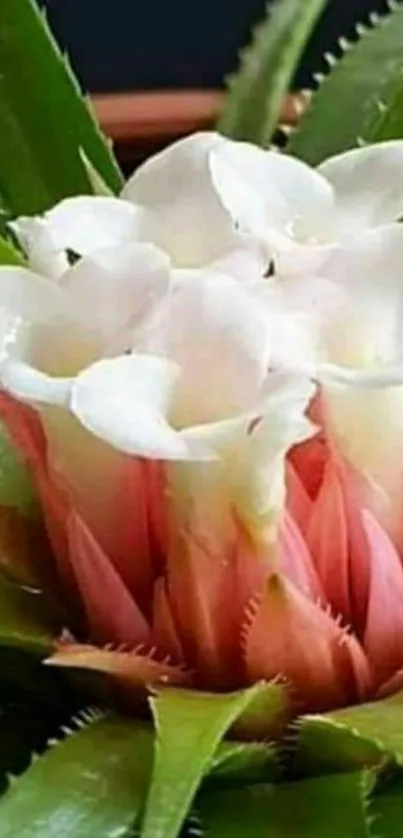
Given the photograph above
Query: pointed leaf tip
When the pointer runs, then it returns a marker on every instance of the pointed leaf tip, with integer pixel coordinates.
(256, 92)
(41, 133)
(190, 726)
(368, 73)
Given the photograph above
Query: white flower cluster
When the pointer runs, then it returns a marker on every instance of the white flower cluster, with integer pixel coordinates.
(211, 297)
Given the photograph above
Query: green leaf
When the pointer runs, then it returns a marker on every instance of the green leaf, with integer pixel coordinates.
(44, 120)
(256, 92)
(352, 737)
(25, 620)
(361, 98)
(387, 809)
(327, 807)
(16, 487)
(237, 763)
(91, 785)
(190, 726)
(9, 255)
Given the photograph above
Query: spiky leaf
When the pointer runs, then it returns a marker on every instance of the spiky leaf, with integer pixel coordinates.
(355, 736)
(327, 807)
(91, 785)
(44, 121)
(360, 99)
(387, 808)
(190, 726)
(8, 254)
(26, 620)
(236, 763)
(256, 92)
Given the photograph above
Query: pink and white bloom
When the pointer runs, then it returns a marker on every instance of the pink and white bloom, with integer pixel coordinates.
(203, 494)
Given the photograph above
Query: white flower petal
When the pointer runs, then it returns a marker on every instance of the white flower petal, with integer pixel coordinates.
(176, 186)
(250, 261)
(126, 282)
(368, 186)
(30, 385)
(369, 260)
(125, 401)
(26, 300)
(257, 469)
(84, 224)
(219, 335)
(44, 253)
(265, 190)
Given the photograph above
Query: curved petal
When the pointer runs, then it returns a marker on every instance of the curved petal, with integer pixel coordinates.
(258, 471)
(296, 562)
(112, 613)
(125, 281)
(83, 224)
(125, 401)
(30, 385)
(176, 186)
(383, 640)
(265, 190)
(45, 256)
(366, 424)
(201, 590)
(218, 334)
(25, 299)
(368, 186)
(368, 263)
(338, 545)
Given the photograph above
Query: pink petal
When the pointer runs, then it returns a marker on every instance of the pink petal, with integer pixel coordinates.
(337, 544)
(292, 637)
(127, 538)
(112, 613)
(158, 513)
(299, 503)
(295, 560)
(201, 590)
(25, 428)
(131, 669)
(253, 568)
(392, 686)
(164, 632)
(383, 640)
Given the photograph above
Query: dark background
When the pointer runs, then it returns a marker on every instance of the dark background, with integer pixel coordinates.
(132, 44)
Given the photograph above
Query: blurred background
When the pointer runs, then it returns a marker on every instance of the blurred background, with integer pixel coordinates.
(127, 46)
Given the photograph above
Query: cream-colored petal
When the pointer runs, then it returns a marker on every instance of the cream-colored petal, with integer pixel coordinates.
(176, 186)
(368, 186)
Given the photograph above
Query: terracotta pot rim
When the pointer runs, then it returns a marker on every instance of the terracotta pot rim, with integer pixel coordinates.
(158, 115)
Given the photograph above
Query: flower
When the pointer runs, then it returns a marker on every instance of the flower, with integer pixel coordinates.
(206, 196)
(193, 427)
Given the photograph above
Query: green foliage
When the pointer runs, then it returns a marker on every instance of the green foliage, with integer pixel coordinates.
(8, 254)
(190, 726)
(237, 763)
(355, 736)
(91, 785)
(16, 488)
(361, 99)
(387, 807)
(44, 120)
(26, 620)
(256, 92)
(327, 807)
